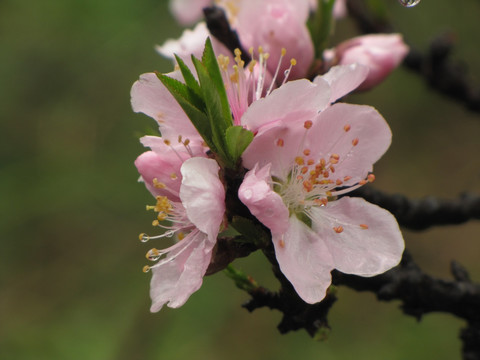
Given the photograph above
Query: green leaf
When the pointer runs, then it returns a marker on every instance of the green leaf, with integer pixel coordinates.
(214, 109)
(190, 80)
(237, 139)
(250, 231)
(321, 26)
(187, 101)
(210, 61)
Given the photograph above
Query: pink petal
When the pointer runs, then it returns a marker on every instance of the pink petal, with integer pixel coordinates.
(192, 42)
(281, 25)
(343, 79)
(188, 11)
(149, 96)
(203, 194)
(328, 136)
(174, 281)
(266, 205)
(304, 260)
(380, 52)
(299, 99)
(166, 169)
(355, 250)
(277, 145)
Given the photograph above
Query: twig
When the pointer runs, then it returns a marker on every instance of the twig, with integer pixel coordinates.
(424, 213)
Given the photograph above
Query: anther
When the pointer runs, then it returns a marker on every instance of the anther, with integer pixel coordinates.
(355, 142)
(310, 162)
(280, 142)
(306, 152)
(299, 160)
(338, 229)
(281, 243)
(166, 142)
(143, 237)
(146, 269)
(364, 226)
(308, 124)
(339, 182)
(347, 128)
(371, 178)
(346, 178)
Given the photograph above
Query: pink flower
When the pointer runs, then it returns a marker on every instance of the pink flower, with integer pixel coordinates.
(380, 53)
(151, 97)
(277, 24)
(300, 163)
(192, 42)
(194, 216)
(188, 11)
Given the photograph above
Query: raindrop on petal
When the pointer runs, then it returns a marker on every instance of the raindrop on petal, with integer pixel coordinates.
(409, 3)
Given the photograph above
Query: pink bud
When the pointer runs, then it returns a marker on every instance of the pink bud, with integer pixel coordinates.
(381, 53)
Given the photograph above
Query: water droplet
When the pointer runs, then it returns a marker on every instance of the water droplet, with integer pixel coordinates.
(144, 237)
(153, 254)
(248, 194)
(409, 3)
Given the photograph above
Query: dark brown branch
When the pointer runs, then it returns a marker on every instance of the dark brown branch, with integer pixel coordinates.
(441, 73)
(424, 213)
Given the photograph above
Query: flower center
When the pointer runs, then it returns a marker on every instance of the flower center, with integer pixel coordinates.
(312, 181)
(244, 85)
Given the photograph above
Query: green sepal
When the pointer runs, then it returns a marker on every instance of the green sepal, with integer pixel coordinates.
(237, 139)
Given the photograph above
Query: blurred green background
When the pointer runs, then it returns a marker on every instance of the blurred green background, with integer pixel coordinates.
(71, 285)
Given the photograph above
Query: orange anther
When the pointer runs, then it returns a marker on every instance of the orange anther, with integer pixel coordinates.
(364, 226)
(306, 152)
(347, 127)
(308, 124)
(310, 162)
(339, 182)
(371, 178)
(280, 142)
(362, 182)
(308, 185)
(281, 243)
(346, 178)
(338, 229)
(304, 170)
(355, 142)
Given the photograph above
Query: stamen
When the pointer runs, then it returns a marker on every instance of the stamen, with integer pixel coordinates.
(347, 128)
(371, 178)
(146, 269)
(338, 229)
(308, 124)
(364, 226)
(355, 142)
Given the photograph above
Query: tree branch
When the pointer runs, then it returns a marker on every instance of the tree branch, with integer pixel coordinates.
(424, 213)
(442, 74)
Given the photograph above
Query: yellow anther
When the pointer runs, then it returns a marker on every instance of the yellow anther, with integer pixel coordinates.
(293, 62)
(284, 51)
(237, 52)
(150, 207)
(260, 49)
(157, 184)
(328, 193)
(299, 160)
(180, 139)
(146, 269)
(142, 237)
(155, 223)
(166, 142)
(152, 253)
(180, 236)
